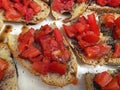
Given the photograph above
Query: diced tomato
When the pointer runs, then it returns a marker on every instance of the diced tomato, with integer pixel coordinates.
(80, 1)
(90, 37)
(116, 53)
(12, 14)
(31, 52)
(29, 15)
(97, 51)
(41, 67)
(26, 2)
(93, 24)
(36, 8)
(102, 2)
(20, 8)
(102, 79)
(58, 36)
(37, 58)
(3, 67)
(81, 27)
(17, 1)
(109, 20)
(59, 5)
(83, 20)
(83, 44)
(7, 4)
(118, 78)
(112, 85)
(57, 67)
(116, 33)
(70, 31)
(0, 4)
(114, 3)
(117, 22)
(66, 54)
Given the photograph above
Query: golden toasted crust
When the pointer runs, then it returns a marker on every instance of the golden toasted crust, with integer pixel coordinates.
(36, 18)
(50, 78)
(103, 9)
(9, 81)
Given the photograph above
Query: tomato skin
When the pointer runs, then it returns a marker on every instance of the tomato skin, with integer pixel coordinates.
(116, 33)
(12, 14)
(112, 85)
(97, 51)
(90, 37)
(93, 24)
(83, 20)
(109, 20)
(116, 53)
(57, 67)
(70, 31)
(36, 8)
(3, 66)
(118, 78)
(102, 79)
(102, 2)
(114, 3)
(117, 22)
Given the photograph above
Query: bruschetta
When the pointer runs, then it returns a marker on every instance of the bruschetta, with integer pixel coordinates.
(107, 80)
(87, 41)
(8, 71)
(74, 7)
(45, 53)
(110, 27)
(27, 11)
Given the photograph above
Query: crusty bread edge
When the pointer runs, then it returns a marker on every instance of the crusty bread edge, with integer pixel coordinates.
(9, 81)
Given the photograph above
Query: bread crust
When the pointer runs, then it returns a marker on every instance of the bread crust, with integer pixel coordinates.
(45, 10)
(51, 78)
(9, 81)
(103, 9)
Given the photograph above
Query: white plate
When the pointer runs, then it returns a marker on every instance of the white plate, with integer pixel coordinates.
(28, 81)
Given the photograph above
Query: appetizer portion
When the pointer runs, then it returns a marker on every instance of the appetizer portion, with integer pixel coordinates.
(8, 73)
(110, 27)
(73, 7)
(105, 6)
(103, 81)
(28, 11)
(87, 41)
(45, 52)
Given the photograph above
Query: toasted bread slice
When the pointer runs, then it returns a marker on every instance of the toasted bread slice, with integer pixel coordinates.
(50, 78)
(45, 10)
(9, 81)
(109, 38)
(89, 79)
(77, 10)
(103, 9)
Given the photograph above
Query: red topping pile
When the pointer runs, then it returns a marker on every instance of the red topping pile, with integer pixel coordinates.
(15, 9)
(113, 3)
(50, 53)
(61, 5)
(114, 25)
(3, 67)
(107, 82)
(87, 33)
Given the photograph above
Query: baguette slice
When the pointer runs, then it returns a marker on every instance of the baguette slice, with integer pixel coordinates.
(9, 81)
(51, 78)
(45, 10)
(89, 78)
(77, 10)
(103, 9)
(109, 38)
